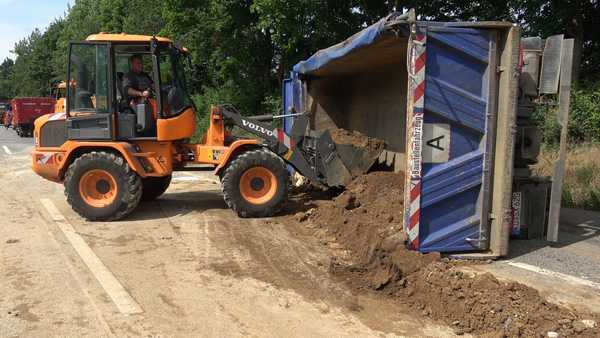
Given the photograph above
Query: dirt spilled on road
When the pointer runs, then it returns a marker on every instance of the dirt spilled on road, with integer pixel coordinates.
(482, 304)
(362, 227)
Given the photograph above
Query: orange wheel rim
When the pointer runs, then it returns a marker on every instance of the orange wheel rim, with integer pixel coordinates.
(98, 188)
(258, 185)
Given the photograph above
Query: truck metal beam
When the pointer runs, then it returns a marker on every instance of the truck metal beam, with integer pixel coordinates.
(563, 119)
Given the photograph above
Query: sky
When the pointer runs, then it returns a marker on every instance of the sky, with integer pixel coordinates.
(19, 17)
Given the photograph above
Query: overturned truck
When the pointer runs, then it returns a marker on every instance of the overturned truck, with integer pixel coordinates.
(444, 98)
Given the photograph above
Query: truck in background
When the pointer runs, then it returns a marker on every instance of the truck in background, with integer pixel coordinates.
(24, 112)
(3, 108)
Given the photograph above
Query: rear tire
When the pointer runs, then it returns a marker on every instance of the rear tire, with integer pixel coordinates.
(100, 186)
(153, 187)
(255, 183)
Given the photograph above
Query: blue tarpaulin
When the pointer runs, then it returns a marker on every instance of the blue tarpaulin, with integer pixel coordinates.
(323, 57)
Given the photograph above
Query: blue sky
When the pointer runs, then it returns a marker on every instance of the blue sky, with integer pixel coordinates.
(19, 17)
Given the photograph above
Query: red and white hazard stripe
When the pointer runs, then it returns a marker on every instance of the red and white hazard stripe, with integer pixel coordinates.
(44, 158)
(418, 59)
(284, 138)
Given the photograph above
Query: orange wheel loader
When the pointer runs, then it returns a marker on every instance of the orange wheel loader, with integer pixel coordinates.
(111, 150)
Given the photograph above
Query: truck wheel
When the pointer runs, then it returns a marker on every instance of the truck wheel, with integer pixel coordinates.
(100, 186)
(152, 187)
(255, 183)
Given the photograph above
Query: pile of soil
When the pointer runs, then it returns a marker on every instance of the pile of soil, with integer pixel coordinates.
(482, 304)
(355, 138)
(362, 217)
(363, 228)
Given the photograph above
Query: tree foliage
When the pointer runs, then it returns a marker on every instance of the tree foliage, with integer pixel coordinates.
(6, 89)
(242, 49)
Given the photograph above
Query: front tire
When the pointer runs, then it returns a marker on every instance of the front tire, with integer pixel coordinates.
(255, 183)
(153, 187)
(100, 186)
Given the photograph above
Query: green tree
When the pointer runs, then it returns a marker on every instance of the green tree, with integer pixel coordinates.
(6, 89)
(232, 55)
(23, 76)
(242, 49)
(577, 19)
(33, 71)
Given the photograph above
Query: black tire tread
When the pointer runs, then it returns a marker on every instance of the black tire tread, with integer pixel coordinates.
(131, 194)
(233, 172)
(153, 187)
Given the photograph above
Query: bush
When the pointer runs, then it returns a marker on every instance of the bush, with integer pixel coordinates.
(581, 188)
(545, 117)
(585, 114)
(209, 97)
(584, 118)
(226, 94)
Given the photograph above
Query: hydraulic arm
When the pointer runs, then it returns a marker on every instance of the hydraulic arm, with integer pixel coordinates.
(313, 154)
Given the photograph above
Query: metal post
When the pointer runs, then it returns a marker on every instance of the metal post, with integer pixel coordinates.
(566, 66)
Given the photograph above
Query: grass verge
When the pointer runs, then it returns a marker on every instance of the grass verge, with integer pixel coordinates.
(581, 188)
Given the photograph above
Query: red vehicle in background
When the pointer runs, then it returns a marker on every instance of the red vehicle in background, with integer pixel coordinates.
(4, 107)
(25, 110)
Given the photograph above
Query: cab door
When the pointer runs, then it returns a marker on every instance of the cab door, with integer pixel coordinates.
(90, 92)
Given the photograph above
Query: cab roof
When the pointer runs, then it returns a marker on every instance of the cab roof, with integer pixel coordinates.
(123, 37)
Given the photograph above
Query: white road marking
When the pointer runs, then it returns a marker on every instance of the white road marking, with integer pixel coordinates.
(588, 226)
(546, 272)
(7, 150)
(589, 232)
(80, 283)
(122, 299)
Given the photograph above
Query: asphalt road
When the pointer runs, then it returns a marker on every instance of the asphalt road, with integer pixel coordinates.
(576, 253)
(183, 266)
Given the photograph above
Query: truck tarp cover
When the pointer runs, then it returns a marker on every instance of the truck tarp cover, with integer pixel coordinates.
(336, 54)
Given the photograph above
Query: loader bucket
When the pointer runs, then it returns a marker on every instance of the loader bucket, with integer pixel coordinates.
(358, 160)
(347, 159)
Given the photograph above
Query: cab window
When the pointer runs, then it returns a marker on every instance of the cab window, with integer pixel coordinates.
(123, 55)
(88, 78)
(174, 96)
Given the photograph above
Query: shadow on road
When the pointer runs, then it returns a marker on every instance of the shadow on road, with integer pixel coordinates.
(179, 204)
(575, 226)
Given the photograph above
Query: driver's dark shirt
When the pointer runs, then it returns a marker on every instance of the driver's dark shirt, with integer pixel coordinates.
(138, 81)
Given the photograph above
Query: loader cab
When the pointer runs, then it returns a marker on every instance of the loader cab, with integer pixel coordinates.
(98, 106)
